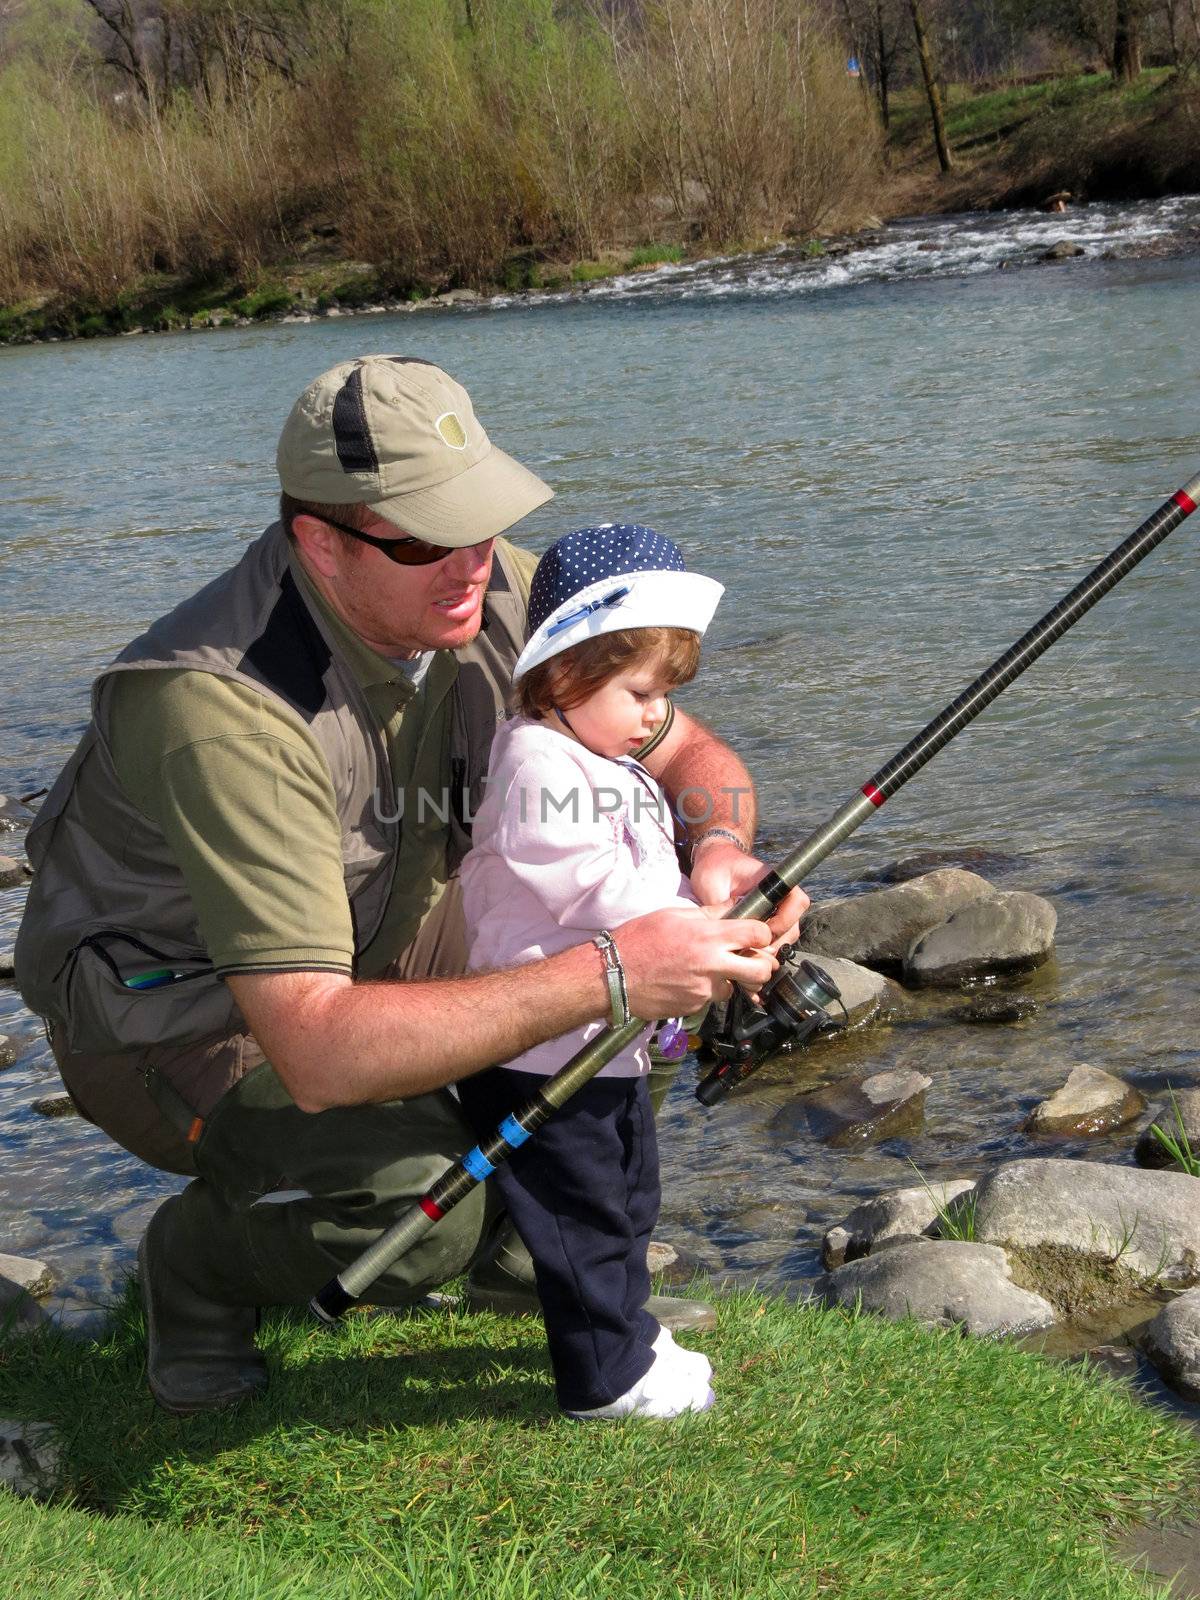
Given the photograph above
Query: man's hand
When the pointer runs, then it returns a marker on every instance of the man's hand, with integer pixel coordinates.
(677, 961)
(721, 874)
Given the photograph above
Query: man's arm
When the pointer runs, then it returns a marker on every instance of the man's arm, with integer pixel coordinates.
(334, 1042)
(713, 794)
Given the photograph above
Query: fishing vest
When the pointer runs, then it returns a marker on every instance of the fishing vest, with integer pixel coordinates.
(107, 901)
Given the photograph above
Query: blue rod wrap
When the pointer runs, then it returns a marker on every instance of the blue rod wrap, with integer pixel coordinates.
(477, 1164)
(513, 1134)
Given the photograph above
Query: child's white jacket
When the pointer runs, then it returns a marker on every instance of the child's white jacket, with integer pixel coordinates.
(565, 843)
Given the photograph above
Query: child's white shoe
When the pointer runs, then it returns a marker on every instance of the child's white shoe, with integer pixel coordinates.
(666, 1349)
(668, 1389)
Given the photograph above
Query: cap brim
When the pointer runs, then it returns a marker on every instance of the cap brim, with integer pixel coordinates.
(485, 500)
(649, 599)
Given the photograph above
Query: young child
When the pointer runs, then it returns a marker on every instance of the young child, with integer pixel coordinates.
(572, 839)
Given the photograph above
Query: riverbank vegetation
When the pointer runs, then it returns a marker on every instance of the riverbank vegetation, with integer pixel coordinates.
(423, 1457)
(173, 163)
(1082, 136)
(439, 143)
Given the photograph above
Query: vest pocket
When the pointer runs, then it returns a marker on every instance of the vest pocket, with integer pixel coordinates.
(121, 995)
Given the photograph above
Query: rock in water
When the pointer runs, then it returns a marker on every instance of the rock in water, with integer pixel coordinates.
(12, 874)
(861, 1109)
(878, 928)
(864, 992)
(1172, 1341)
(1009, 932)
(994, 1010)
(1183, 1109)
(942, 1283)
(8, 1050)
(1148, 1222)
(971, 858)
(33, 1277)
(1064, 250)
(55, 1105)
(1090, 1102)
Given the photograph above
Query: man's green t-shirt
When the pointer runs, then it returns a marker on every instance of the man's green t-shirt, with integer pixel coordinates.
(246, 802)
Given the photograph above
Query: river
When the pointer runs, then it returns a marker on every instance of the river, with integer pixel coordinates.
(895, 465)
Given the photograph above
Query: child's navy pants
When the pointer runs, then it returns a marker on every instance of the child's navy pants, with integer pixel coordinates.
(584, 1196)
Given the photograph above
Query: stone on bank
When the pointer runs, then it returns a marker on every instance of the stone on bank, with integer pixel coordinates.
(901, 1213)
(29, 1457)
(1172, 1342)
(1147, 1222)
(947, 1283)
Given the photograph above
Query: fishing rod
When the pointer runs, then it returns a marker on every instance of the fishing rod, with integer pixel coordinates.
(343, 1291)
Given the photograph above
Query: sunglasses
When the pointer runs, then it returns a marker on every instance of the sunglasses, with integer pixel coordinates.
(405, 551)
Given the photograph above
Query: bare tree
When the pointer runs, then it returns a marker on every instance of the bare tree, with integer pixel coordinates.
(932, 91)
(1127, 41)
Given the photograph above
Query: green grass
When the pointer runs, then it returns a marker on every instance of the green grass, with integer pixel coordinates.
(653, 255)
(1175, 1141)
(590, 271)
(423, 1457)
(973, 117)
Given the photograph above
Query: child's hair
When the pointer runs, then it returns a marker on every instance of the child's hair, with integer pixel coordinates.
(568, 678)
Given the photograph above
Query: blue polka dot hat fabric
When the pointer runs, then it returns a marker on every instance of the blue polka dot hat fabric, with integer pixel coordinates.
(590, 555)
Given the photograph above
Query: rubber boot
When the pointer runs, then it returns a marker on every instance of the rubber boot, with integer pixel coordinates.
(201, 1310)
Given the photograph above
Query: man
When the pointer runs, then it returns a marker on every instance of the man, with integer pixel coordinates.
(255, 840)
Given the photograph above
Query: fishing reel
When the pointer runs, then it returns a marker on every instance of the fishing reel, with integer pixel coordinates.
(794, 1007)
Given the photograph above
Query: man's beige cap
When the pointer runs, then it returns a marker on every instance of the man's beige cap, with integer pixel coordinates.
(398, 434)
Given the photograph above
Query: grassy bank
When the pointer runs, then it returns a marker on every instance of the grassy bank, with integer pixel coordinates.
(1017, 145)
(423, 1457)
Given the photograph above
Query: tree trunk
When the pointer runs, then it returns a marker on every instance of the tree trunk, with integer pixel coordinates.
(1127, 43)
(883, 67)
(945, 160)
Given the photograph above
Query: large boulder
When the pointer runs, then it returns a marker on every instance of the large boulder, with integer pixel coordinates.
(898, 1214)
(878, 928)
(1179, 1116)
(1009, 932)
(1090, 1102)
(1172, 1341)
(943, 1283)
(1147, 1222)
(860, 1109)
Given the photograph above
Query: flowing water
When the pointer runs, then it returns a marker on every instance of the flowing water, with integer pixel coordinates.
(895, 464)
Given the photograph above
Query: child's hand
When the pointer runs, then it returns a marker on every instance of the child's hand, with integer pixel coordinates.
(722, 874)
